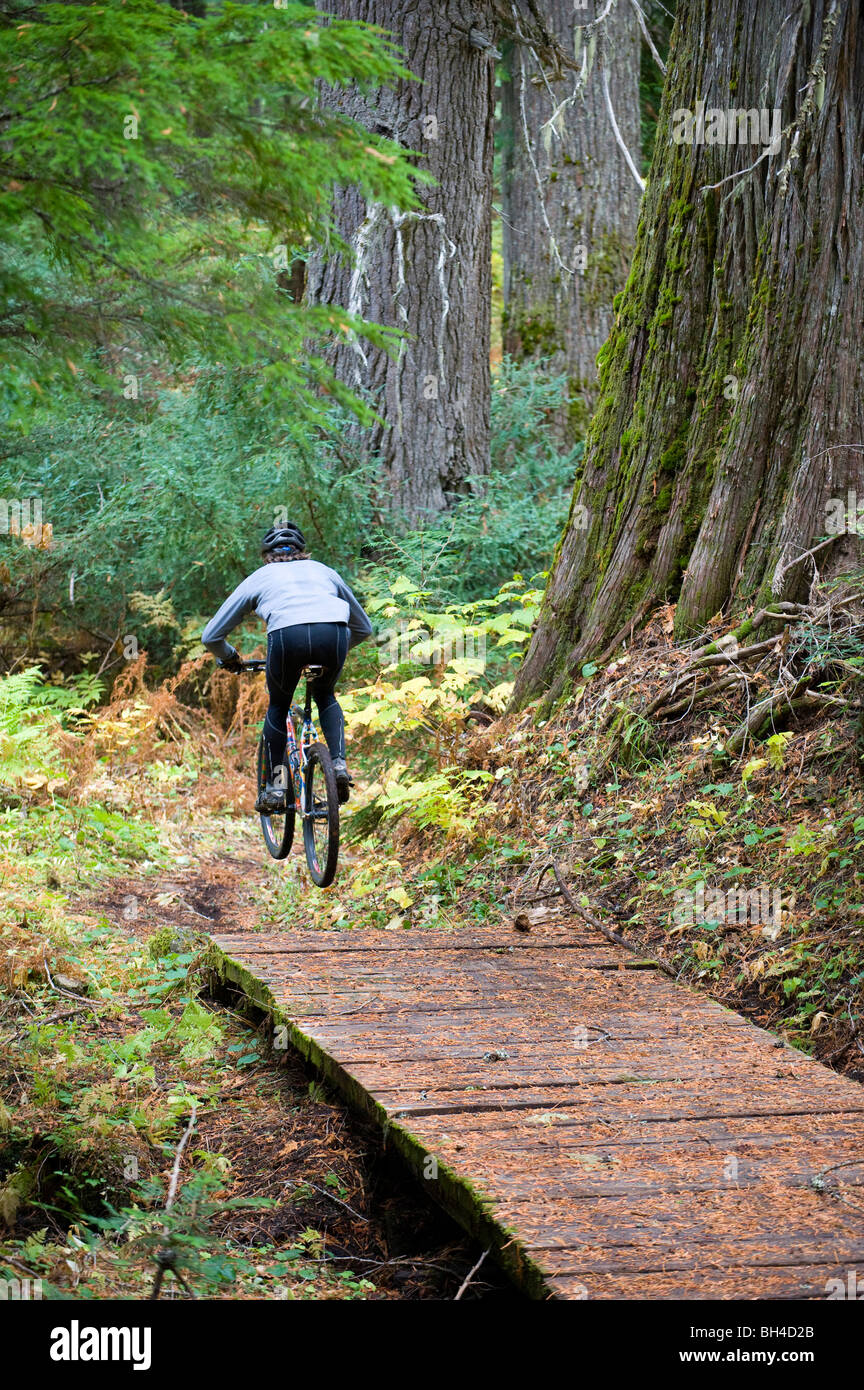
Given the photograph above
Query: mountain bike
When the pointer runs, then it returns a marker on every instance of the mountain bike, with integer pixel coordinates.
(309, 783)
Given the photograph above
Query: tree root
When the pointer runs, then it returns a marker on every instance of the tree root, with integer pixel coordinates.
(724, 650)
(778, 613)
(765, 712)
(739, 654)
(695, 697)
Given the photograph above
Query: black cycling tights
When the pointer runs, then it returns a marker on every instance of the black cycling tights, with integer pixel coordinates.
(289, 649)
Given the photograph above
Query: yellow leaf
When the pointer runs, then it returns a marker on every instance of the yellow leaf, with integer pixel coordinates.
(751, 767)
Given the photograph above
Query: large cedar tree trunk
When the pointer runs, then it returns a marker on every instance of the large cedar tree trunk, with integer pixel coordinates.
(731, 405)
(569, 201)
(428, 272)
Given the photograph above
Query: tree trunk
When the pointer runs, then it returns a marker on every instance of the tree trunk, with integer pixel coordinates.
(730, 422)
(570, 202)
(427, 272)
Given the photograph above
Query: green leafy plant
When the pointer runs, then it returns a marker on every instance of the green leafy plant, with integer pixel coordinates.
(160, 168)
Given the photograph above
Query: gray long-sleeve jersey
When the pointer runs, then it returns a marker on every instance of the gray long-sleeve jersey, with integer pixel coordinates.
(283, 594)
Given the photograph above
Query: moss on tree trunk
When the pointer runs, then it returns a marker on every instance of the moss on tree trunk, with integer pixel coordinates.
(731, 407)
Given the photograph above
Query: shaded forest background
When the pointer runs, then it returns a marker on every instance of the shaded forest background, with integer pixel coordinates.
(169, 391)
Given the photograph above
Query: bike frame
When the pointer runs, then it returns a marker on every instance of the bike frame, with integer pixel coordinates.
(296, 754)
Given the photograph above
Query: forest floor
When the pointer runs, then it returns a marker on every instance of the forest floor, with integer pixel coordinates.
(116, 867)
(115, 1040)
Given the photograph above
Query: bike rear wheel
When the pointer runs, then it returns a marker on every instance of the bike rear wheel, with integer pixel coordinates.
(278, 830)
(320, 815)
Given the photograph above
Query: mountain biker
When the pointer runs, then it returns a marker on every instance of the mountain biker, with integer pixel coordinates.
(313, 619)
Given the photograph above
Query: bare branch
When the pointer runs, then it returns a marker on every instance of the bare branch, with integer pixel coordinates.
(617, 133)
(640, 15)
(470, 1275)
(776, 583)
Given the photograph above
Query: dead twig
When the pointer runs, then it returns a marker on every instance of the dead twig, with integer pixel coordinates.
(778, 578)
(765, 711)
(696, 697)
(470, 1275)
(833, 1056)
(166, 1259)
(593, 921)
(337, 1200)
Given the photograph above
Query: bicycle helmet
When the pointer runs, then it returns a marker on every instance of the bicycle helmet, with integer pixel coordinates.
(287, 537)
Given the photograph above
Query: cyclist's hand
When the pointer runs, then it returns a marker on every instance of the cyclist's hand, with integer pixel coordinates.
(232, 663)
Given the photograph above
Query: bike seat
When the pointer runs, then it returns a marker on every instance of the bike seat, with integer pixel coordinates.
(313, 672)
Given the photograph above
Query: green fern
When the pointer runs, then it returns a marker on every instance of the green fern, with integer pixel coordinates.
(31, 715)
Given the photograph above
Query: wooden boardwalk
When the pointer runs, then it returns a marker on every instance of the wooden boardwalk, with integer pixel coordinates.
(606, 1132)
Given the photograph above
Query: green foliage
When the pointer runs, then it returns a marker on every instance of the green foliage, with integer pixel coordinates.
(509, 522)
(182, 1238)
(157, 513)
(434, 664)
(446, 800)
(161, 174)
(31, 714)
(154, 164)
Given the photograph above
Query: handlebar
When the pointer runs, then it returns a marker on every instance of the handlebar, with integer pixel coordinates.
(256, 665)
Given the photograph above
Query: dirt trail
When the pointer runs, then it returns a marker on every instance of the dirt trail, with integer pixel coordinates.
(215, 894)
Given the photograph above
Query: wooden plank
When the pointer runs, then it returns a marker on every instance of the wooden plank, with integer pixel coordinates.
(572, 1130)
(639, 1228)
(539, 1171)
(781, 1282)
(553, 937)
(582, 1117)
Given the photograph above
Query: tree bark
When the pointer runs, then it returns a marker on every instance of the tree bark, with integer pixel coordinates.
(570, 203)
(427, 272)
(730, 411)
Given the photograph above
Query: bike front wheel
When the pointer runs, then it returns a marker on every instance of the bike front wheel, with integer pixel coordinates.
(278, 830)
(320, 815)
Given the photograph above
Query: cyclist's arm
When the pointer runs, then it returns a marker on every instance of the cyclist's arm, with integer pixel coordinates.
(358, 621)
(233, 611)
